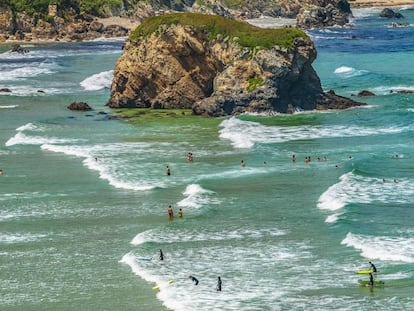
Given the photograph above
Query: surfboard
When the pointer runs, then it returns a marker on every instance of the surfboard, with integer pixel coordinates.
(364, 271)
(145, 258)
(365, 282)
(158, 287)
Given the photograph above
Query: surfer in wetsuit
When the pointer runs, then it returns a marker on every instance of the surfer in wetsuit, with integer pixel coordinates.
(161, 255)
(218, 288)
(192, 278)
(373, 268)
(371, 280)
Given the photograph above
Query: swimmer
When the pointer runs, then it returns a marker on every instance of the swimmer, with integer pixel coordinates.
(192, 278)
(293, 158)
(180, 213)
(168, 171)
(243, 164)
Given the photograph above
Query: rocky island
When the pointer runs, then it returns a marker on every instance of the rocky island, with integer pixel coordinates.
(217, 66)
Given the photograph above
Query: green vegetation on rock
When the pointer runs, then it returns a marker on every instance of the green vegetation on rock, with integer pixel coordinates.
(247, 35)
(39, 8)
(254, 83)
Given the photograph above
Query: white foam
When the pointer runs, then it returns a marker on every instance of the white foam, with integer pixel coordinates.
(196, 197)
(8, 106)
(107, 168)
(165, 235)
(22, 139)
(332, 218)
(23, 73)
(29, 127)
(399, 249)
(391, 90)
(98, 81)
(19, 238)
(348, 72)
(130, 260)
(245, 134)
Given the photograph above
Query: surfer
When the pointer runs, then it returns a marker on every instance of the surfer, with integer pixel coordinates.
(192, 278)
(218, 288)
(373, 268)
(371, 280)
(180, 213)
(170, 212)
(161, 255)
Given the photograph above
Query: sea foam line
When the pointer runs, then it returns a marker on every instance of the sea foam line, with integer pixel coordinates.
(98, 81)
(245, 134)
(397, 249)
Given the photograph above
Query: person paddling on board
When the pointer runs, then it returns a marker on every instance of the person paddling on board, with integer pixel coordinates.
(192, 278)
(373, 268)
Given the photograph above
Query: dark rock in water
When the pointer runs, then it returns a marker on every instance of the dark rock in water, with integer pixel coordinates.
(365, 93)
(81, 106)
(17, 48)
(388, 13)
(402, 92)
(5, 90)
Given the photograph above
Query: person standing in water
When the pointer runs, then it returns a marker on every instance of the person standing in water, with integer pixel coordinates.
(161, 255)
(372, 266)
(218, 287)
(168, 170)
(180, 213)
(371, 280)
(170, 212)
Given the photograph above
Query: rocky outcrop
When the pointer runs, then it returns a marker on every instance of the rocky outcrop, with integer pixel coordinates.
(388, 13)
(20, 26)
(67, 24)
(80, 106)
(182, 66)
(324, 14)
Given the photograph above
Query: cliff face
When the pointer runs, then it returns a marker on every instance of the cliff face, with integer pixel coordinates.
(69, 23)
(183, 66)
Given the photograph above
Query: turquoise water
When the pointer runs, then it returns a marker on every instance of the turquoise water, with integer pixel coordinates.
(83, 199)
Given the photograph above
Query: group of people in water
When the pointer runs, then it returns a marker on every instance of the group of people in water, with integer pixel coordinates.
(193, 278)
(171, 213)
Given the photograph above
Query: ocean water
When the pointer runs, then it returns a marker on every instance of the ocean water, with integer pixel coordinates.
(83, 199)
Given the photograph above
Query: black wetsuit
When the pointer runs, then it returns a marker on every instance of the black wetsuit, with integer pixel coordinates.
(194, 280)
(374, 269)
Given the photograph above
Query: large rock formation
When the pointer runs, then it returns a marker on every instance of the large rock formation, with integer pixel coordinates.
(185, 61)
(68, 21)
